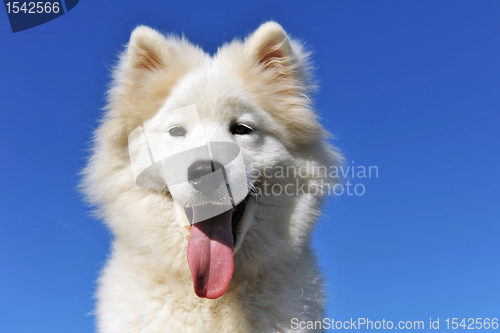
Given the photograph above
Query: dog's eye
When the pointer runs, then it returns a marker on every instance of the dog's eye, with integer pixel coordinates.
(241, 129)
(177, 131)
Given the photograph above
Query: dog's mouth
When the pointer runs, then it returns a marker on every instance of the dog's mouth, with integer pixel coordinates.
(237, 214)
(211, 248)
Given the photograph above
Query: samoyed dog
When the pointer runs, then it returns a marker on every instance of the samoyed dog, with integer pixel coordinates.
(206, 168)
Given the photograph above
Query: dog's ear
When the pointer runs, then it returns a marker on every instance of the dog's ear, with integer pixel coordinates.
(150, 52)
(147, 49)
(148, 70)
(269, 46)
(278, 66)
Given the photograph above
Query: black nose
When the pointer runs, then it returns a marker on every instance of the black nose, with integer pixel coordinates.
(203, 168)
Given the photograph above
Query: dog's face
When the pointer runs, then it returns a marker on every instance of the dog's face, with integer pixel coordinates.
(204, 132)
(208, 118)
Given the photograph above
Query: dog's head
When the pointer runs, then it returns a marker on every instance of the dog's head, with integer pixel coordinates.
(219, 150)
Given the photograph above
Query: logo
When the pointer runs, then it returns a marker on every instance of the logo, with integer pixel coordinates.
(28, 14)
(197, 169)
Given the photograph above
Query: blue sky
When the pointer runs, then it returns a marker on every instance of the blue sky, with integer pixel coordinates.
(410, 87)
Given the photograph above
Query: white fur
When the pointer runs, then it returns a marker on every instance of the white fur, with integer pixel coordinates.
(146, 285)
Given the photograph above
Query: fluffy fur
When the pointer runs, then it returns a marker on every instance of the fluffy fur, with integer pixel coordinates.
(146, 285)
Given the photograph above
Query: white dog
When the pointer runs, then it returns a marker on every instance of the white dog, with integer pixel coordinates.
(205, 170)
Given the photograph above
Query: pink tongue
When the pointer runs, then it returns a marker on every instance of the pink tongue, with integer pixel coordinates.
(210, 255)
